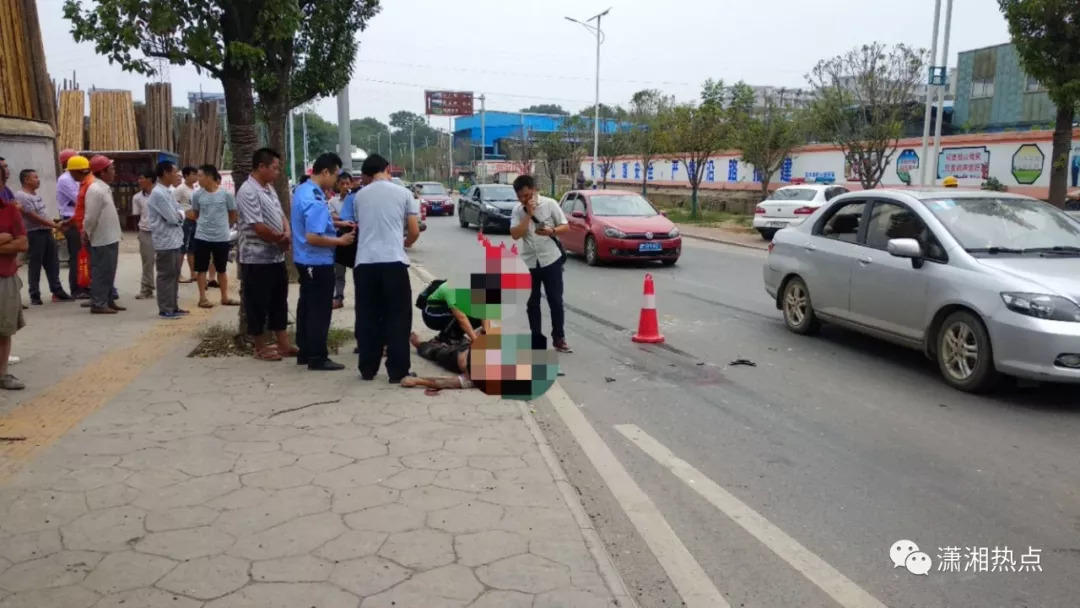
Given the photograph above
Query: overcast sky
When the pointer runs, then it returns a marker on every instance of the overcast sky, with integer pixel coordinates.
(521, 53)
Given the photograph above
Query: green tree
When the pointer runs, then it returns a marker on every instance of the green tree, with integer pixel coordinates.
(612, 146)
(321, 137)
(545, 108)
(860, 101)
(1047, 37)
(646, 136)
(697, 131)
(220, 38)
(369, 134)
(769, 132)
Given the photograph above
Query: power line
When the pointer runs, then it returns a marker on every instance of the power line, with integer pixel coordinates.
(513, 95)
(523, 74)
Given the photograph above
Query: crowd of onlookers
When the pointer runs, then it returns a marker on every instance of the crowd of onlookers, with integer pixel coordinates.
(186, 219)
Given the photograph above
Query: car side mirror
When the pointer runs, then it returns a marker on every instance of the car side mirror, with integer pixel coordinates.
(907, 248)
(578, 214)
(663, 213)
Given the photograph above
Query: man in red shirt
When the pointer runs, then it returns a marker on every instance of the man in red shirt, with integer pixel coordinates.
(12, 242)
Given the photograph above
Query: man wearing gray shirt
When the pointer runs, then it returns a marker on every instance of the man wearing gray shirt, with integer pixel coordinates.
(167, 234)
(535, 222)
(383, 211)
(39, 232)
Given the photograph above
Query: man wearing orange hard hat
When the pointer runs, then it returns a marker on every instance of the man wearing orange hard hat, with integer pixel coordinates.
(67, 193)
(101, 225)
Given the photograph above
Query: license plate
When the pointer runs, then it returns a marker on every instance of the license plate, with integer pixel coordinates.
(776, 224)
(649, 247)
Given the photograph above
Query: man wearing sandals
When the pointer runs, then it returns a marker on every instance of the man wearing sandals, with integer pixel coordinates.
(264, 238)
(167, 234)
(214, 209)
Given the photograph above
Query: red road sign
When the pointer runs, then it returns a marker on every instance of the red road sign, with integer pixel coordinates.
(448, 103)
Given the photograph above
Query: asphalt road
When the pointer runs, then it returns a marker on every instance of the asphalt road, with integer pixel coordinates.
(845, 443)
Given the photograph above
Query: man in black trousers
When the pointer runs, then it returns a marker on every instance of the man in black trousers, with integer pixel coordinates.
(383, 212)
(314, 239)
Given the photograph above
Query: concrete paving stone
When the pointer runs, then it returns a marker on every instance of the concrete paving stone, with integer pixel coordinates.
(278, 479)
(386, 518)
(589, 580)
(455, 582)
(484, 446)
(346, 432)
(105, 530)
(90, 478)
(297, 569)
(251, 447)
(421, 429)
(572, 598)
(60, 597)
(256, 433)
(360, 448)
(301, 535)
(410, 478)
(399, 597)
(539, 522)
(168, 429)
(180, 518)
(527, 475)
(496, 463)
(368, 575)
(197, 491)
(505, 599)
(244, 497)
(526, 573)
(419, 549)
(38, 510)
(408, 446)
(33, 545)
(155, 479)
(287, 595)
(408, 410)
(473, 516)
(322, 463)
(56, 570)
(570, 553)
(361, 473)
(348, 500)
(147, 598)
(106, 444)
(373, 418)
(207, 577)
(515, 494)
(500, 409)
(431, 498)
(437, 460)
(116, 495)
(302, 445)
(261, 461)
(127, 570)
(485, 547)
(328, 415)
(466, 479)
(186, 544)
(200, 464)
(276, 509)
(4, 564)
(353, 544)
(450, 410)
(164, 408)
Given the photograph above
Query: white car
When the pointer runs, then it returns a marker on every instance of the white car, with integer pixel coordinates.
(790, 205)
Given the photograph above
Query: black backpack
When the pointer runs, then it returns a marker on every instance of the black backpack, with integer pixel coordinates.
(421, 300)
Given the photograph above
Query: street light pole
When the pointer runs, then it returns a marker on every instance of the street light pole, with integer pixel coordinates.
(944, 85)
(596, 108)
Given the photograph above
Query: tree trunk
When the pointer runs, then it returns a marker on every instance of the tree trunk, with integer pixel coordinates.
(277, 128)
(645, 176)
(243, 139)
(1059, 155)
(694, 213)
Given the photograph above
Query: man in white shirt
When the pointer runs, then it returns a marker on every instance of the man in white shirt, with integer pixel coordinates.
(101, 226)
(535, 222)
(140, 207)
(183, 194)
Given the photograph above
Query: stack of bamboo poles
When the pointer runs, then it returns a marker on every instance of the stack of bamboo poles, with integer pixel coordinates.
(158, 117)
(70, 120)
(112, 121)
(201, 139)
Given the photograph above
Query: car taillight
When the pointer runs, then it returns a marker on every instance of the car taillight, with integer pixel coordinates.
(771, 245)
(805, 211)
(759, 210)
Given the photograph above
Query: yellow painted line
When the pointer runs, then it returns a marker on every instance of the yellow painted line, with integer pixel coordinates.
(56, 410)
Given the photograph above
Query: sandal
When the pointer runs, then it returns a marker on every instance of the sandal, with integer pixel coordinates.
(268, 353)
(205, 304)
(230, 302)
(292, 352)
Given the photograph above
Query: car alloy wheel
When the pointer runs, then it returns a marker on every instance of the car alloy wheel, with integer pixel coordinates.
(592, 256)
(959, 351)
(461, 220)
(481, 222)
(964, 354)
(798, 308)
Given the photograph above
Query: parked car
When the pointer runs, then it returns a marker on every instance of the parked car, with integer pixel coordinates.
(488, 206)
(790, 205)
(614, 225)
(985, 283)
(435, 198)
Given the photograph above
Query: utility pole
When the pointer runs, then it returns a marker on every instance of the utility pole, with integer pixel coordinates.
(450, 151)
(942, 85)
(924, 160)
(344, 130)
(412, 149)
(303, 124)
(596, 108)
(483, 140)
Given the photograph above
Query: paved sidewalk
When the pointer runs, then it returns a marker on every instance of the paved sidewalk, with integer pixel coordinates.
(725, 236)
(230, 483)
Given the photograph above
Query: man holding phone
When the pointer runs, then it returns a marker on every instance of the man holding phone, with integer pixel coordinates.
(314, 239)
(536, 221)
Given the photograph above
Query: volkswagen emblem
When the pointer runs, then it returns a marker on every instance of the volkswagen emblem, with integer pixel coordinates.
(648, 235)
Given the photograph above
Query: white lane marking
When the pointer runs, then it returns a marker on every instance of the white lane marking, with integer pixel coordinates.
(688, 577)
(829, 579)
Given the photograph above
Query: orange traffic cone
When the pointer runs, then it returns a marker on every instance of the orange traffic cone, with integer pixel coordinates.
(649, 325)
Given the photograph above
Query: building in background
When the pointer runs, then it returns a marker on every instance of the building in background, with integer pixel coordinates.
(194, 97)
(502, 130)
(995, 94)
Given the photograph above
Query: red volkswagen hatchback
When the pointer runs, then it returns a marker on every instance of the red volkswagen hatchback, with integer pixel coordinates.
(615, 225)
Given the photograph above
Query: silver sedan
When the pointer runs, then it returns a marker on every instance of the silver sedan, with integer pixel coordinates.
(984, 283)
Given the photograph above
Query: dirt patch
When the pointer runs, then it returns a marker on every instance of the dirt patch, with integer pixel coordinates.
(221, 341)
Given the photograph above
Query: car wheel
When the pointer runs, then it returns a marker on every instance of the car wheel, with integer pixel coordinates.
(964, 353)
(592, 255)
(669, 262)
(481, 222)
(461, 220)
(767, 234)
(798, 308)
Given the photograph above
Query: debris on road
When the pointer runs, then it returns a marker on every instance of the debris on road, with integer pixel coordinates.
(745, 362)
(608, 379)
